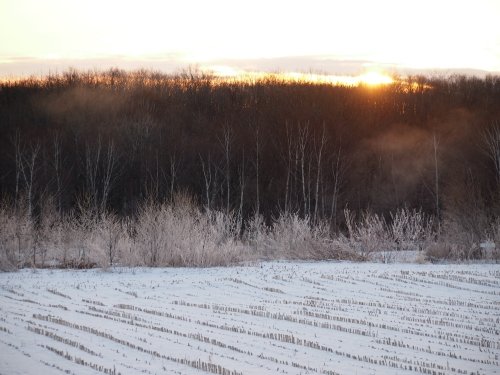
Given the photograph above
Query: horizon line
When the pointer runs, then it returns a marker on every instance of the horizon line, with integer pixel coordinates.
(25, 66)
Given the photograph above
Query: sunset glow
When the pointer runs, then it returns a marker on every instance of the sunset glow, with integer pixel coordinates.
(375, 78)
(332, 37)
(370, 78)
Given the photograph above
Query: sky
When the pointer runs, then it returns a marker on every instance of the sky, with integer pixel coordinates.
(333, 37)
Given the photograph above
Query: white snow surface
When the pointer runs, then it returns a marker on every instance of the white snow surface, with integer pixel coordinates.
(272, 318)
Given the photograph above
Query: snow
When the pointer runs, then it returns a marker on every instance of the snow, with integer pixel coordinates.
(276, 317)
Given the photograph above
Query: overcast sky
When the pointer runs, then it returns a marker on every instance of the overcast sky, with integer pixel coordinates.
(336, 37)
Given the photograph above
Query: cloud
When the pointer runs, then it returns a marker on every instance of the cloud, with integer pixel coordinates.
(26, 66)
(174, 62)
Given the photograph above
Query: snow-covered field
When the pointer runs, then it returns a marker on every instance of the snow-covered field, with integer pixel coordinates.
(287, 318)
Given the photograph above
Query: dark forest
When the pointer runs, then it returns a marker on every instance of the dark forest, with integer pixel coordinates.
(111, 142)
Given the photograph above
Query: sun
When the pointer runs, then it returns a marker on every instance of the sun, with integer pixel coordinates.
(374, 78)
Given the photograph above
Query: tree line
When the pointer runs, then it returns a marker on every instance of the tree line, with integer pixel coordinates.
(109, 141)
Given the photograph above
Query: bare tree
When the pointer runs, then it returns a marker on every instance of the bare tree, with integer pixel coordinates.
(242, 183)
(92, 161)
(491, 145)
(174, 165)
(27, 166)
(338, 165)
(319, 158)
(289, 164)
(100, 175)
(302, 145)
(25, 171)
(435, 145)
(111, 232)
(152, 183)
(257, 171)
(16, 141)
(226, 143)
(57, 166)
(210, 178)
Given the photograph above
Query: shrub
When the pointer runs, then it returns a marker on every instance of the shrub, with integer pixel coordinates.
(16, 236)
(180, 234)
(367, 235)
(110, 235)
(372, 237)
(256, 236)
(293, 237)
